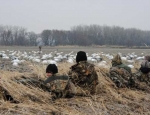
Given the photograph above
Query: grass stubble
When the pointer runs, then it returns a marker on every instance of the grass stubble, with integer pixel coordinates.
(109, 100)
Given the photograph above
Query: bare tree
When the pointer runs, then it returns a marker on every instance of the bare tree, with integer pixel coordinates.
(32, 37)
(46, 36)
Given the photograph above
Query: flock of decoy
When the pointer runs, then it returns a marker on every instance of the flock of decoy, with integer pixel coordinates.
(18, 57)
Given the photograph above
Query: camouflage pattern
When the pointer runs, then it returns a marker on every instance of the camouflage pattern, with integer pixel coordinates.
(139, 82)
(145, 64)
(57, 85)
(58, 82)
(116, 60)
(70, 90)
(32, 82)
(66, 90)
(143, 77)
(147, 57)
(120, 74)
(84, 77)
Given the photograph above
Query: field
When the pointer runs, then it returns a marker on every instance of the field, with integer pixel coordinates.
(109, 100)
(68, 49)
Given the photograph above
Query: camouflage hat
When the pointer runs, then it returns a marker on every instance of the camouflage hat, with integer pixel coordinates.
(116, 60)
(81, 56)
(52, 68)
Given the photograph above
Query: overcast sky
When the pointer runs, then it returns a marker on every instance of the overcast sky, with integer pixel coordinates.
(37, 15)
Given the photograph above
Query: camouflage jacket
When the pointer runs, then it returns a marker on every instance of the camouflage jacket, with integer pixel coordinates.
(144, 74)
(145, 64)
(58, 85)
(57, 82)
(83, 74)
(61, 86)
(145, 67)
(142, 77)
(120, 76)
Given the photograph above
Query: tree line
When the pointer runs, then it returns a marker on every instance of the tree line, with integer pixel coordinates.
(81, 35)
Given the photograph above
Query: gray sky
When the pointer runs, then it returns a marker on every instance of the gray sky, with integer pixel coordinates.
(37, 15)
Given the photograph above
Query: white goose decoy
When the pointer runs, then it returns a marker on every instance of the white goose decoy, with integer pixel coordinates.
(89, 58)
(129, 57)
(131, 66)
(15, 64)
(98, 58)
(36, 60)
(50, 55)
(45, 62)
(4, 56)
(52, 62)
(16, 61)
(93, 60)
(140, 58)
(103, 64)
(70, 60)
(130, 61)
(124, 58)
(44, 57)
(58, 58)
(109, 56)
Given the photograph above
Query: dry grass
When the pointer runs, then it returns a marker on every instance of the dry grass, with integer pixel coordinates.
(109, 100)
